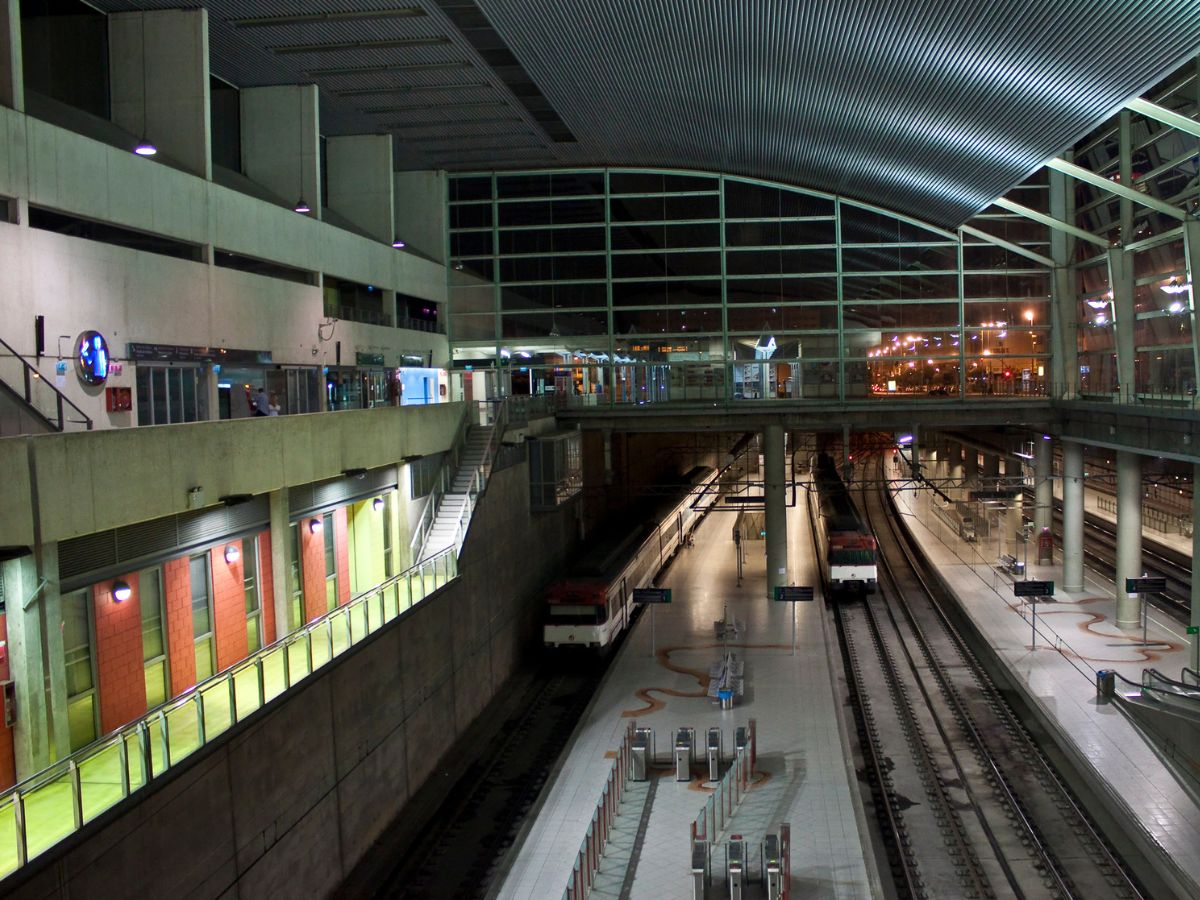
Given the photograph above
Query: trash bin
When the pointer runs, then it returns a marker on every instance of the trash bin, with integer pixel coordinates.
(1106, 685)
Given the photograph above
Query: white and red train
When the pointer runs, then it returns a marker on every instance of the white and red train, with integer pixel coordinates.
(847, 547)
(593, 605)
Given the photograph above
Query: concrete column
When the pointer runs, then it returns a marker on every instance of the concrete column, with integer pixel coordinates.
(1195, 620)
(281, 559)
(360, 182)
(954, 471)
(991, 469)
(776, 503)
(26, 665)
(162, 93)
(1191, 253)
(281, 142)
(54, 655)
(1121, 276)
(420, 209)
(970, 468)
(608, 456)
(1129, 536)
(1014, 515)
(1043, 484)
(12, 78)
(1072, 538)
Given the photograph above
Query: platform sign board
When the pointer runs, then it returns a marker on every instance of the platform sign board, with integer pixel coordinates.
(993, 495)
(1033, 588)
(1145, 585)
(792, 594)
(651, 595)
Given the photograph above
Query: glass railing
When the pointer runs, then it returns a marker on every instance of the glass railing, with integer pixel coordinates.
(47, 807)
(587, 863)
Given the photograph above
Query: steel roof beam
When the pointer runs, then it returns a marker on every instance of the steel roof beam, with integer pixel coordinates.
(1051, 222)
(1008, 245)
(1164, 115)
(1122, 191)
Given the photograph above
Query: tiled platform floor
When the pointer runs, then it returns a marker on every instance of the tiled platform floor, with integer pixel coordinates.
(792, 699)
(1076, 636)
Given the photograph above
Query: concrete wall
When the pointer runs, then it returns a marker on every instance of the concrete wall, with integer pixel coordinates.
(84, 483)
(286, 804)
(135, 296)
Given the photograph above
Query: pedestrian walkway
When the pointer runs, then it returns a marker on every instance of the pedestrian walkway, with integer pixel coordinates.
(1075, 636)
(806, 775)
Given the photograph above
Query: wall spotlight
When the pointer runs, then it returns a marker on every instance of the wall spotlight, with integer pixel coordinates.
(121, 591)
(232, 553)
(314, 526)
(145, 148)
(398, 243)
(302, 207)
(377, 504)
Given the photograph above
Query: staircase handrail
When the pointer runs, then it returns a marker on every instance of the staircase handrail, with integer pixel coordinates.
(32, 374)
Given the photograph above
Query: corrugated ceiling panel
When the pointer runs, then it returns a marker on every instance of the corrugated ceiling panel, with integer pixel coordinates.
(928, 107)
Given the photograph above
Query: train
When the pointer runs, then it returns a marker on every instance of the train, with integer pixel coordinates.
(593, 604)
(848, 552)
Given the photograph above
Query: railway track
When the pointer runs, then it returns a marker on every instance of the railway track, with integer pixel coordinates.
(461, 845)
(967, 804)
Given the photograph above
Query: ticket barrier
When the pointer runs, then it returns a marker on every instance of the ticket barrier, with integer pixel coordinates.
(642, 753)
(773, 867)
(735, 855)
(714, 754)
(685, 741)
(699, 869)
(741, 738)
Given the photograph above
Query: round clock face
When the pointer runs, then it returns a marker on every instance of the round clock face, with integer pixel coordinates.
(91, 357)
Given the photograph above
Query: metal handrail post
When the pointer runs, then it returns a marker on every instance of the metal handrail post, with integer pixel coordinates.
(18, 801)
(76, 793)
(144, 747)
(200, 729)
(123, 759)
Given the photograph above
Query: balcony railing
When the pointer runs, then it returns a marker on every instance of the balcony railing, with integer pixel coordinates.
(58, 801)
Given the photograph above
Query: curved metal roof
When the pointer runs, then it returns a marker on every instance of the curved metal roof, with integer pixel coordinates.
(928, 107)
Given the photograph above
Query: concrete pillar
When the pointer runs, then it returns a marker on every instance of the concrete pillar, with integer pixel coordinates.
(608, 456)
(1195, 620)
(970, 468)
(954, 470)
(1072, 538)
(991, 469)
(162, 93)
(420, 207)
(1043, 484)
(776, 503)
(281, 142)
(1121, 276)
(54, 656)
(281, 559)
(26, 664)
(360, 182)
(1191, 253)
(1129, 536)
(1014, 515)
(12, 78)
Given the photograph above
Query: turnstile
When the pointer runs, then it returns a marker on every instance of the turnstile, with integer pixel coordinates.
(735, 855)
(642, 751)
(714, 754)
(685, 741)
(773, 865)
(699, 869)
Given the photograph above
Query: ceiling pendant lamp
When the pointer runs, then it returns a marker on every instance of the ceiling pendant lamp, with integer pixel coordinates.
(144, 146)
(302, 207)
(398, 243)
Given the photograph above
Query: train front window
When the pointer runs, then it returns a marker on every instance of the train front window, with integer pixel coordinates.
(852, 557)
(568, 614)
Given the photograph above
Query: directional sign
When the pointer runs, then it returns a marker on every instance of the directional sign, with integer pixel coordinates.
(1193, 629)
(1033, 588)
(651, 595)
(992, 495)
(1145, 585)
(790, 594)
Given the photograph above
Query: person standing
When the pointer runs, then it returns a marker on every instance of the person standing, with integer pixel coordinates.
(261, 402)
(273, 407)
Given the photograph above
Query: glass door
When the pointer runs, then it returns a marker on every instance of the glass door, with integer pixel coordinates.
(202, 618)
(81, 672)
(254, 633)
(154, 644)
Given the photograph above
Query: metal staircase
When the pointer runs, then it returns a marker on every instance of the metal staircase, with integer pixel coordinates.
(29, 404)
(450, 510)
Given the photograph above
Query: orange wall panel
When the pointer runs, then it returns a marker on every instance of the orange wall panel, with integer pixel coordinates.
(229, 606)
(121, 678)
(181, 647)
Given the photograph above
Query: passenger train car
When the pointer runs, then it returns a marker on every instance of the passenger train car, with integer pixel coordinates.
(593, 604)
(847, 547)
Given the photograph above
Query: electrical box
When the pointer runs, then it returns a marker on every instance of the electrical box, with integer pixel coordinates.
(118, 399)
(10, 702)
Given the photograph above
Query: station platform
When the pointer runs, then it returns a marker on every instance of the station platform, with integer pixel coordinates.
(1076, 635)
(805, 776)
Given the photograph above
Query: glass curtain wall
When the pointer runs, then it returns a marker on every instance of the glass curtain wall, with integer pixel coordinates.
(618, 286)
(1163, 164)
